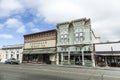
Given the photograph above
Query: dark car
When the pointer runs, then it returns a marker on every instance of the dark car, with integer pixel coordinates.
(12, 61)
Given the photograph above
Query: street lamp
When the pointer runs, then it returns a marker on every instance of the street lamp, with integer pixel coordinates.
(113, 56)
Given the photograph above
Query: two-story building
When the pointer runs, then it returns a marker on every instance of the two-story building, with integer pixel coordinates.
(40, 47)
(12, 51)
(0, 54)
(75, 42)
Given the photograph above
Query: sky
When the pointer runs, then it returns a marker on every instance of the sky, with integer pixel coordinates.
(20, 17)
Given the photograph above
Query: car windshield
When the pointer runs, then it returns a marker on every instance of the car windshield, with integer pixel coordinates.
(13, 59)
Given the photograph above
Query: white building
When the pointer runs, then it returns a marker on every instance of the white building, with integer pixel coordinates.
(74, 43)
(107, 54)
(0, 54)
(12, 51)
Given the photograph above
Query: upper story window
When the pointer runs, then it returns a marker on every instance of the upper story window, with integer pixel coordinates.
(61, 38)
(6, 51)
(79, 36)
(17, 51)
(81, 33)
(76, 34)
(11, 51)
(64, 38)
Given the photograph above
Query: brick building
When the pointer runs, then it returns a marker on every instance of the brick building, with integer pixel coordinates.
(40, 47)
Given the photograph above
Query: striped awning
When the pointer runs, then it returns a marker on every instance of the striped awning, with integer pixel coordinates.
(39, 51)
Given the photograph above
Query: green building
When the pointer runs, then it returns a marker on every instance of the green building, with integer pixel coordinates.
(75, 43)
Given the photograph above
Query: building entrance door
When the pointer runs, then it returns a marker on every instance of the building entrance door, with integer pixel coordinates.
(78, 60)
(112, 61)
(46, 58)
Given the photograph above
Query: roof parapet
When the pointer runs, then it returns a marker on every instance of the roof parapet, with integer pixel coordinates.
(63, 23)
(78, 20)
(84, 20)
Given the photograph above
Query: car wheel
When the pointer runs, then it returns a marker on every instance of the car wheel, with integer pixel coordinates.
(11, 63)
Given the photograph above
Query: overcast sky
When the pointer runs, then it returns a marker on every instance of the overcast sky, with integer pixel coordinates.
(19, 17)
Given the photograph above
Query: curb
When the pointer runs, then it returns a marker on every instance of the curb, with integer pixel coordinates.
(75, 66)
(98, 68)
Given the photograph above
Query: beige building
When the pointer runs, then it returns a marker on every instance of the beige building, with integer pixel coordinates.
(40, 47)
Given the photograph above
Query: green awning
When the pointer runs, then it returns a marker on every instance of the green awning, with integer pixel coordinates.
(27, 51)
(39, 51)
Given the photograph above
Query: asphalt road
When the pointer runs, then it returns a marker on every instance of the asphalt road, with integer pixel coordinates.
(52, 72)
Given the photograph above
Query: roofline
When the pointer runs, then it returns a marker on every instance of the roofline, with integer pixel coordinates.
(108, 42)
(13, 46)
(76, 20)
(40, 32)
(94, 34)
(72, 21)
(62, 23)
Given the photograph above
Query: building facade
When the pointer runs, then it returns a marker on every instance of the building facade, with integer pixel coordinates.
(75, 43)
(40, 47)
(0, 54)
(107, 54)
(12, 51)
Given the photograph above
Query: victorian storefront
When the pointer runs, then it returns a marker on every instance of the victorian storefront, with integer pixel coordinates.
(75, 43)
(40, 47)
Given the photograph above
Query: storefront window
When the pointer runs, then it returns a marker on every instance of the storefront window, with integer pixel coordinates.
(65, 57)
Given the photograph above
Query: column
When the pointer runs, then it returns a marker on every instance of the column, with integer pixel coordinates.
(92, 55)
(93, 59)
(106, 61)
(3, 57)
(83, 61)
(68, 57)
(61, 58)
(57, 59)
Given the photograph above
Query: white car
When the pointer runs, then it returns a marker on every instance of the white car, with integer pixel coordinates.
(12, 61)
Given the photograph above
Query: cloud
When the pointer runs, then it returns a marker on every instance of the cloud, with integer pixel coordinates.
(1, 26)
(10, 7)
(35, 30)
(33, 27)
(21, 29)
(104, 14)
(30, 24)
(14, 23)
(6, 36)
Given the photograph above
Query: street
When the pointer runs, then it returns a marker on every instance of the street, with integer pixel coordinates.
(53, 72)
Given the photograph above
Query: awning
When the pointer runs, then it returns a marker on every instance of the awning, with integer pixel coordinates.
(27, 51)
(39, 51)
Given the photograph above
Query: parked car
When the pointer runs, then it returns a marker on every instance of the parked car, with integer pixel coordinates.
(12, 61)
